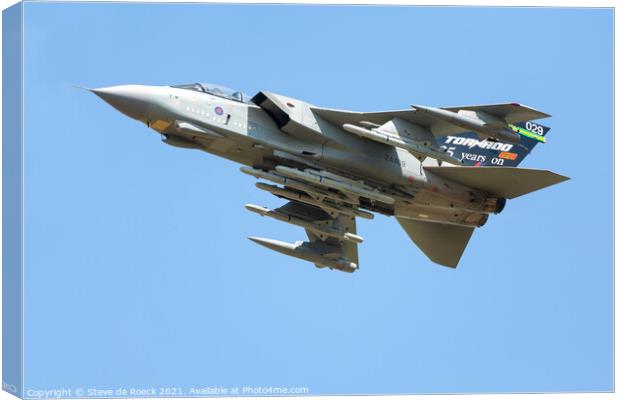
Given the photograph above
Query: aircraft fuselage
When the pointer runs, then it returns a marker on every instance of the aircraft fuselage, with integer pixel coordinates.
(247, 134)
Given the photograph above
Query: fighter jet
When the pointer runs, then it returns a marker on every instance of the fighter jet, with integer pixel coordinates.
(439, 171)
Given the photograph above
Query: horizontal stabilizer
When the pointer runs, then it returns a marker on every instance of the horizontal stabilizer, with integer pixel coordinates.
(443, 244)
(505, 182)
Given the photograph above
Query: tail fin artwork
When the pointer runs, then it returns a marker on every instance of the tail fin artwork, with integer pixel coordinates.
(474, 151)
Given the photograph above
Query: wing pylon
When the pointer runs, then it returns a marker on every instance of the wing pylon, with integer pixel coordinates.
(322, 203)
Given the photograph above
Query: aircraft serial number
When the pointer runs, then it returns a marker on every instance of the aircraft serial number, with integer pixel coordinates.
(395, 160)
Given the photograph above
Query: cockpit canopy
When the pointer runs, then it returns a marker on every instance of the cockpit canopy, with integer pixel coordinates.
(216, 90)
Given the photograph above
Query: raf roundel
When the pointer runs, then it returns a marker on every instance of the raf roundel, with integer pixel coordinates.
(219, 110)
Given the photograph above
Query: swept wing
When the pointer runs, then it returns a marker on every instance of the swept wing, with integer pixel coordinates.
(509, 113)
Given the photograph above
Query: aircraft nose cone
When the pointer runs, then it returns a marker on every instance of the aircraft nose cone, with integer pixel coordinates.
(131, 100)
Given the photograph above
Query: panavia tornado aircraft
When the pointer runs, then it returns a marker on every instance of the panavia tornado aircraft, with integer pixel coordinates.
(439, 171)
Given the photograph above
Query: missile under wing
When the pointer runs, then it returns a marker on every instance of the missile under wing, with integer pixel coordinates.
(325, 248)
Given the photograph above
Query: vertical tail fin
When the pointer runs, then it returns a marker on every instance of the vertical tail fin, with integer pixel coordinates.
(476, 152)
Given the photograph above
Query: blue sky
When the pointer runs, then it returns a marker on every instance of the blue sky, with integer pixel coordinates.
(137, 267)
